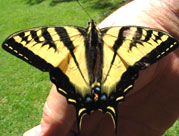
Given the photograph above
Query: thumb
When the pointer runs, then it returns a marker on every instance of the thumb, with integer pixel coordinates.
(58, 117)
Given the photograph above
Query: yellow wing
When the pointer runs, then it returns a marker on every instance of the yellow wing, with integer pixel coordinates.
(128, 50)
(57, 50)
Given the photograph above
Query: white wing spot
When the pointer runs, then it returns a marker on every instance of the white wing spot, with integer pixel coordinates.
(15, 51)
(26, 58)
(130, 86)
(171, 46)
(20, 54)
(167, 49)
(158, 56)
(6, 45)
(163, 53)
(10, 48)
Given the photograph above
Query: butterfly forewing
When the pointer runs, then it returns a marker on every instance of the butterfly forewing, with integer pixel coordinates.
(36, 47)
(129, 49)
(53, 47)
(140, 42)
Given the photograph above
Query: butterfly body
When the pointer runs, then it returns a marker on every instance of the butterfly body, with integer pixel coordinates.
(93, 68)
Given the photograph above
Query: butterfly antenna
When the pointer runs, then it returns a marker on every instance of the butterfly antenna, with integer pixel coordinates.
(84, 9)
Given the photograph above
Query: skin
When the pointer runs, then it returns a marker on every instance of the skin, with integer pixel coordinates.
(151, 107)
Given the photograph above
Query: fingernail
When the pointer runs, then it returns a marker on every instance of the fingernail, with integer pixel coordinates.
(33, 132)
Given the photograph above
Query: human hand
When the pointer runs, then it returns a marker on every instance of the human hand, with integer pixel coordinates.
(151, 107)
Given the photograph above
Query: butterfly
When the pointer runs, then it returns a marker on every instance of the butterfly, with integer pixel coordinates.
(93, 68)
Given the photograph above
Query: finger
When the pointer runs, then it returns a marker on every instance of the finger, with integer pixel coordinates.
(58, 116)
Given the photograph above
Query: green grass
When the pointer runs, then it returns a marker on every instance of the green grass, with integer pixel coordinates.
(174, 130)
(23, 88)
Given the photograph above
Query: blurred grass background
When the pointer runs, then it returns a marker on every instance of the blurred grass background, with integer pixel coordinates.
(23, 88)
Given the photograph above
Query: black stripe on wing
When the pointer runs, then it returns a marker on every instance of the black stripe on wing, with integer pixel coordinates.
(160, 51)
(128, 78)
(120, 38)
(64, 37)
(48, 39)
(25, 54)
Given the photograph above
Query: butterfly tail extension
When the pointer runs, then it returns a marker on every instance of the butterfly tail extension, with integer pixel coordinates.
(80, 113)
(112, 110)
